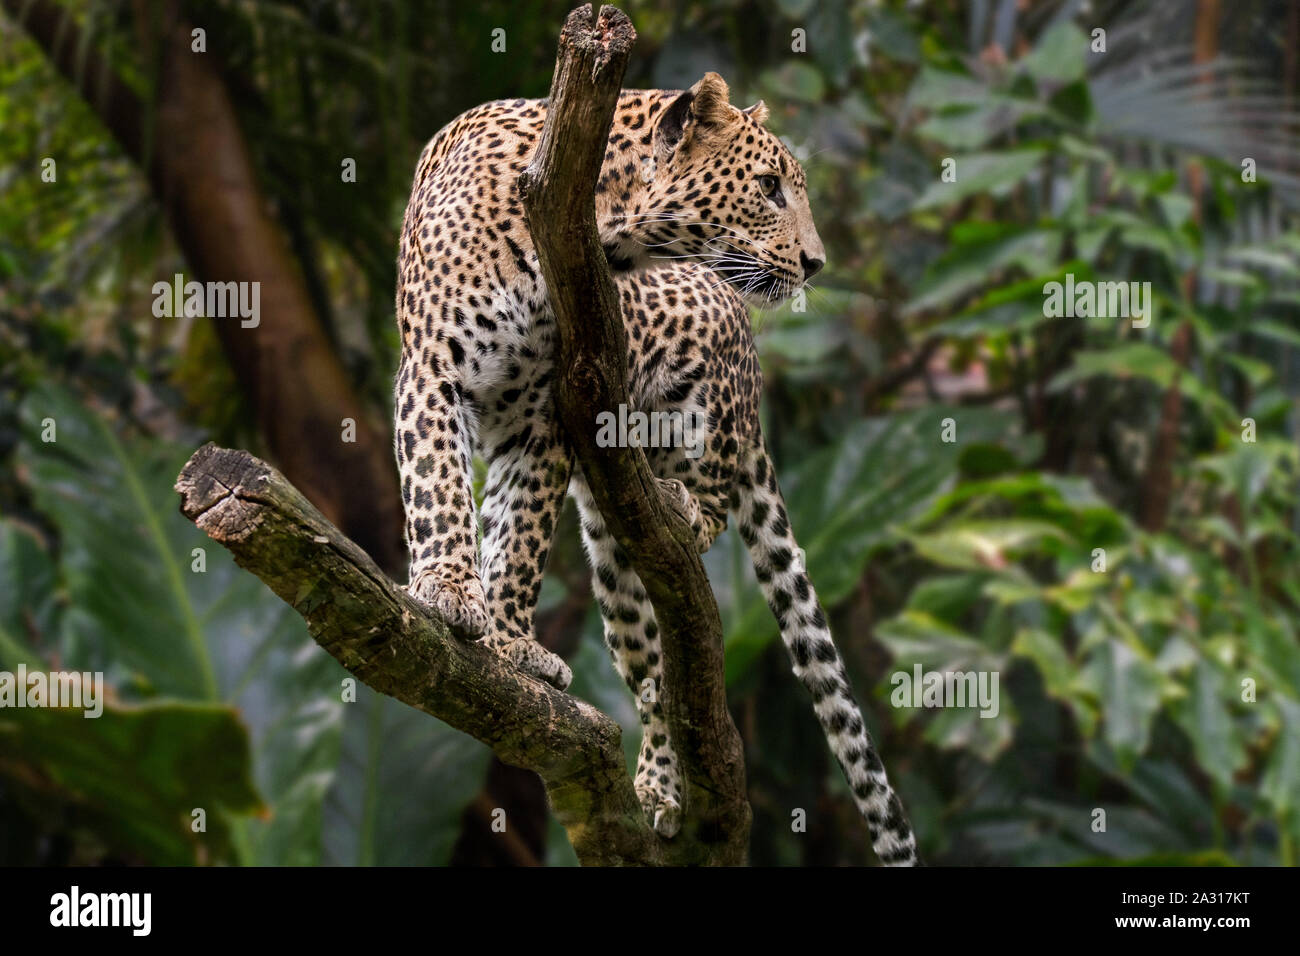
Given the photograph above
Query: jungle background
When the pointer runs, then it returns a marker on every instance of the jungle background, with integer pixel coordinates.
(1123, 680)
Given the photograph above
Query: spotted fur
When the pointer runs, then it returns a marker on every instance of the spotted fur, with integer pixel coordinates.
(699, 207)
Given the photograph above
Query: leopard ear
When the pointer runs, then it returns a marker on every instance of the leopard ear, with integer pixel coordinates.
(758, 112)
(712, 105)
(675, 124)
(703, 107)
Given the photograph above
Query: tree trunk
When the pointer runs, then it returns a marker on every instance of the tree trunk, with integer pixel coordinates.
(199, 166)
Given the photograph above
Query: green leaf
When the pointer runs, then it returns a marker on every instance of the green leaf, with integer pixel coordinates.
(1280, 785)
(403, 784)
(1177, 208)
(1166, 789)
(1260, 257)
(1127, 686)
(1073, 104)
(1203, 858)
(971, 265)
(983, 544)
(1140, 360)
(918, 640)
(996, 173)
(948, 596)
(1058, 57)
(1050, 657)
(140, 611)
(915, 637)
(941, 89)
(27, 580)
(1274, 330)
(971, 127)
(966, 730)
(138, 772)
(1209, 726)
(796, 80)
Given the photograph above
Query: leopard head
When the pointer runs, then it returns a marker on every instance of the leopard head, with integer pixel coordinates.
(717, 186)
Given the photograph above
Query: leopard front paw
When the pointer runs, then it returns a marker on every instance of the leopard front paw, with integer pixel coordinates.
(459, 603)
(531, 658)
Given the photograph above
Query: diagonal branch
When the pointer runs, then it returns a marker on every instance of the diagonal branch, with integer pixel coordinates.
(558, 190)
(387, 639)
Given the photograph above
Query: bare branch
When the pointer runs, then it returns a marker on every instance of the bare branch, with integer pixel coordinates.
(558, 189)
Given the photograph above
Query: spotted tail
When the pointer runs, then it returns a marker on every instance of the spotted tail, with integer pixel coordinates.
(765, 527)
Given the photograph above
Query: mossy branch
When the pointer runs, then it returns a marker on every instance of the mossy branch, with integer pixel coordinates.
(392, 643)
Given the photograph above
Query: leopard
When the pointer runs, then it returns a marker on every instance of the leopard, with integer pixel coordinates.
(702, 212)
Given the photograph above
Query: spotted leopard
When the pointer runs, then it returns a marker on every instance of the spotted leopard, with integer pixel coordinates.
(700, 209)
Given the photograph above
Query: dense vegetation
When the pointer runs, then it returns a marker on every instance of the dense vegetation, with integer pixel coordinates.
(1100, 511)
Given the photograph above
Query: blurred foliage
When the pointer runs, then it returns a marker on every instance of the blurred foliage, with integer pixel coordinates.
(1124, 564)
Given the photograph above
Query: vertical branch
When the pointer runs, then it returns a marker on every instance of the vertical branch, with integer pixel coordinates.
(558, 191)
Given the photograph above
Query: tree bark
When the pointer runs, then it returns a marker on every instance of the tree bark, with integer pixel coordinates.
(558, 190)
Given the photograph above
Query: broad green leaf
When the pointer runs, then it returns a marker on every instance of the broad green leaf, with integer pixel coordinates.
(1050, 657)
(918, 638)
(984, 544)
(140, 610)
(1274, 330)
(1058, 56)
(403, 783)
(1139, 360)
(1127, 686)
(973, 263)
(1164, 788)
(1205, 717)
(137, 773)
(947, 596)
(973, 127)
(796, 80)
(967, 730)
(30, 606)
(1176, 207)
(1280, 785)
(1263, 258)
(940, 89)
(977, 716)
(996, 173)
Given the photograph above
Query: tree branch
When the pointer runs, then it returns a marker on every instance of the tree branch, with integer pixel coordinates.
(558, 190)
(390, 642)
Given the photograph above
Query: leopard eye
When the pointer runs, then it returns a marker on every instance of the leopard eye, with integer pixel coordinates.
(768, 185)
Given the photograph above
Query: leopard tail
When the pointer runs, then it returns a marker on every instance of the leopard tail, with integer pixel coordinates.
(778, 561)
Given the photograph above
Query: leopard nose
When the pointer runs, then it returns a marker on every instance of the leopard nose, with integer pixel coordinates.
(810, 266)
